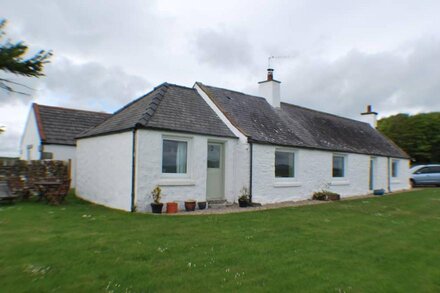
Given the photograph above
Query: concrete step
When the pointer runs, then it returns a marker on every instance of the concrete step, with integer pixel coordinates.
(218, 204)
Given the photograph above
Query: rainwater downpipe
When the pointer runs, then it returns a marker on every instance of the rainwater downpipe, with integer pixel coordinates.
(388, 175)
(133, 172)
(250, 170)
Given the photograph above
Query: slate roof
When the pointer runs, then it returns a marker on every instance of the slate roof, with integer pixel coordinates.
(167, 107)
(61, 125)
(291, 125)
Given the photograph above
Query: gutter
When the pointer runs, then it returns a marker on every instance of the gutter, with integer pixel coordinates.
(133, 172)
(250, 170)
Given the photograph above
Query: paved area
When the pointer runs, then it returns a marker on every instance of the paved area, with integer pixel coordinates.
(236, 209)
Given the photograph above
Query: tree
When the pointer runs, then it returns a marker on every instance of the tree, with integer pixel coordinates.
(12, 60)
(418, 135)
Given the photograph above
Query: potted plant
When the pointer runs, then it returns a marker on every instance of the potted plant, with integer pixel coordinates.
(202, 205)
(243, 199)
(190, 205)
(172, 207)
(156, 205)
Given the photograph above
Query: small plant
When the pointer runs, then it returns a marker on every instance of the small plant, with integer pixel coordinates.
(244, 194)
(156, 194)
(244, 198)
(325, 195)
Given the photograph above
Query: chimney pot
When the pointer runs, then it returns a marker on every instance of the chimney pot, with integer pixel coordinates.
(269, 74)
(369, 108)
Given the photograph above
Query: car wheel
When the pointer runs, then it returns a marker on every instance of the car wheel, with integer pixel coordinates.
(412, 182)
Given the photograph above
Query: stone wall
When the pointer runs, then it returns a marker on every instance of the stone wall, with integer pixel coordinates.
(33, 170)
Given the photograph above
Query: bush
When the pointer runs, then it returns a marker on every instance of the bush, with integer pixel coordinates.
(325, 195)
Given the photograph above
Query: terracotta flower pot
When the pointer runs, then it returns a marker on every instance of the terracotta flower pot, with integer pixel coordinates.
(190, 206)
(171, 207)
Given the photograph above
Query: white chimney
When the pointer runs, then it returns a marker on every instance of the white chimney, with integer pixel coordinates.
(270, 89)
(370, 117)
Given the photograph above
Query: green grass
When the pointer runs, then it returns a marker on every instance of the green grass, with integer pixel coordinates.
(384, 244)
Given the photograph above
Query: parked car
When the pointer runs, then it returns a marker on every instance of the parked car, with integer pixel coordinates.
(425, 175)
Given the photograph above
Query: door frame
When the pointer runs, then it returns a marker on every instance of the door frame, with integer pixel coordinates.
(222, 165)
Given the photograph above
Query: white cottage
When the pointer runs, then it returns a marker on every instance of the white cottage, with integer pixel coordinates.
(50, 133)
(207, 143)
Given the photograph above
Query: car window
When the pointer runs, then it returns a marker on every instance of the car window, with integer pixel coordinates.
(423, 170)
(435, 169)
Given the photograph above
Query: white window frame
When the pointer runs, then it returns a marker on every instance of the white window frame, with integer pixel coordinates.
(287, 181)
(188, 173)
(345, 165)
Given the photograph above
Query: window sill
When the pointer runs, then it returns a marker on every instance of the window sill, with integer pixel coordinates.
(176, 182)
(340, 182)
(287, 184)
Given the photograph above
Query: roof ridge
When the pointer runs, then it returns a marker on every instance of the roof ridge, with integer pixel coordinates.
(70, 109)
(154, 104)
(225, 89)
(322, 112)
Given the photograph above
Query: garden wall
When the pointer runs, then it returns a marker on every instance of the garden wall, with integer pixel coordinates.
(34, 170)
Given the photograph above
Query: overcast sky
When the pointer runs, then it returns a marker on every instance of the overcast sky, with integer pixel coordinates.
(339, 56)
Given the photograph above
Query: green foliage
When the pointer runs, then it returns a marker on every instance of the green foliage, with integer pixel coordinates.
(381, 244)
(418, 135)
(324, 195)
(244, 194)
(156, 194)
(12, 60)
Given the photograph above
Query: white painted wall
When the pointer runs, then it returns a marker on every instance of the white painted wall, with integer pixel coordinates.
(104, 168)
(271, 91)
(30, 137)
(183, 187)
(313, 172)
(64, 153)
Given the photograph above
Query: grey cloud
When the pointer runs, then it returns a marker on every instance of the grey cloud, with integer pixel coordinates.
(223, 49)
(91, 85)
(392, 81)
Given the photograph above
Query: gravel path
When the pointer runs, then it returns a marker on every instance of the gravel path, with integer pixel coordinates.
(236, 209)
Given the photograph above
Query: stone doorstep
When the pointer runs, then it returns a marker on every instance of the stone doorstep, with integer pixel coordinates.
(218, 204)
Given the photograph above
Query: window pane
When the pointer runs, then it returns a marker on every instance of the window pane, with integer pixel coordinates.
(435, 169)
(213, 156)
(174, 155)
(284, 164)
(394, 168)
(338, 166)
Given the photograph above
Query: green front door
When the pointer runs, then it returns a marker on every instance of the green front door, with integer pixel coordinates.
(215, 179)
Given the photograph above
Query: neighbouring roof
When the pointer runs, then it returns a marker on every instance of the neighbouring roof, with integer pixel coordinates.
(167, 107)
(291, 125)
(61, 125)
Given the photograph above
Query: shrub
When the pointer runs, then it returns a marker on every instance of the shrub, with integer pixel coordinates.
(325, 195)
(156, 194)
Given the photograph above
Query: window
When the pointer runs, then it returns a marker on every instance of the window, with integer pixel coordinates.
(46, 156)
(29, 151)
(284, 164)
(428, 170)
(174, 156)
(395, 168)
(338, 166)
(214, 156)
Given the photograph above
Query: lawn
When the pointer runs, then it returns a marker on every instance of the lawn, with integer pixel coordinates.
(382, 244)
